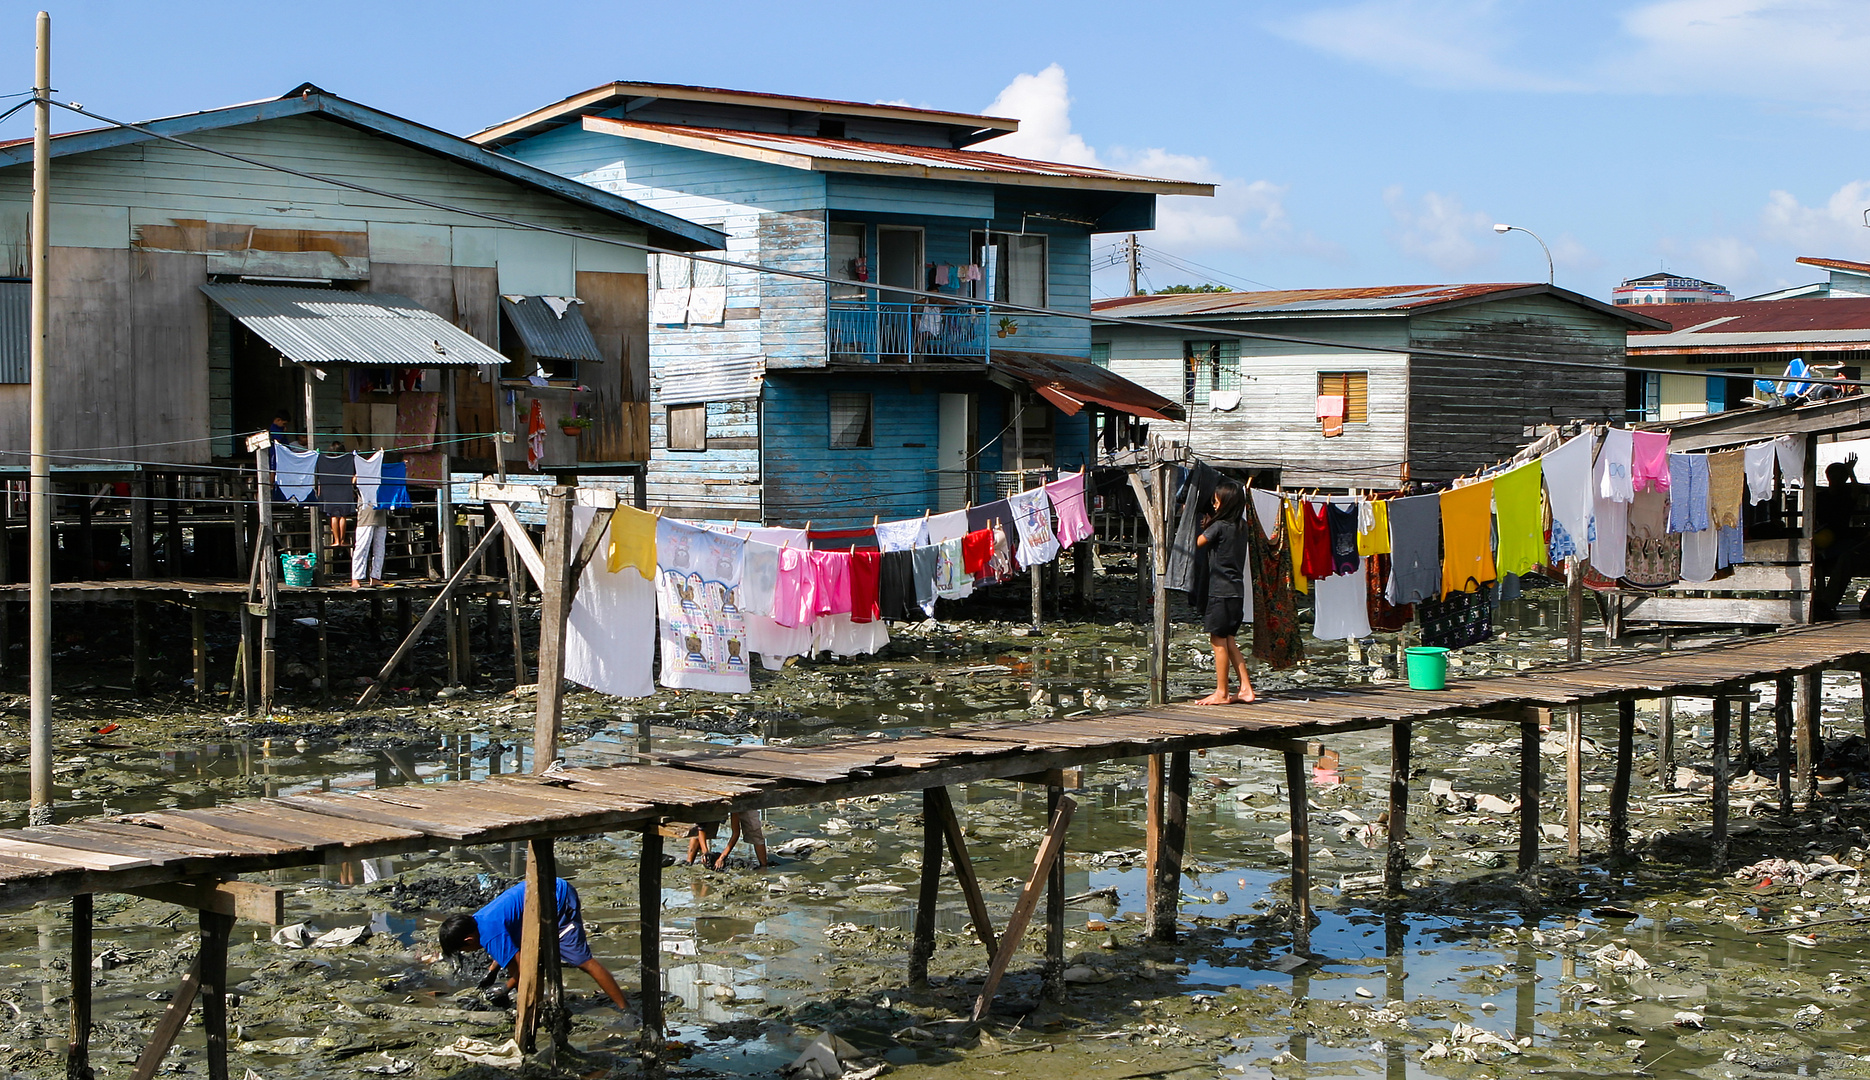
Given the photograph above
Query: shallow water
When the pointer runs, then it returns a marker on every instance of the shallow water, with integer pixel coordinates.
(761, 961)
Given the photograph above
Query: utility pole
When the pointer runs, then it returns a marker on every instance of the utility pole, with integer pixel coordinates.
(1131, 253)
(40, 492)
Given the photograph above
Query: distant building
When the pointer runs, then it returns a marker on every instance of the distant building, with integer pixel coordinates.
(1720, 350)
(1848, 280)
(1664, 288)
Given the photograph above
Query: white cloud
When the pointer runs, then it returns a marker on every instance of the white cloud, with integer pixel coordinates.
(1439, 229)
(1834, 230)
(1445, 43)
(1242, 215)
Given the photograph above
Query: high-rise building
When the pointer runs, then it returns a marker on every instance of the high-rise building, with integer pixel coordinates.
(1665, 288)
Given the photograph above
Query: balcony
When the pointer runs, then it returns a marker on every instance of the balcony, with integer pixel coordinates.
(863, 332)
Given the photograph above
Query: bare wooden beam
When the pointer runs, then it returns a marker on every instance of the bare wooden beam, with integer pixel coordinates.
(649, 907)
(1053, 977)
(529, 556)
(554, 611)
(215, 929)
(1529, 788)
(78, 1044)
(1396, 864)
(174, 1018)
(1620, 781)
(1301, 854)
(964, 870)
(922, 949)
(1167, 873)
(1723, 708)
(435, 606)
(1782, 738)
(1049, 850)
(1310, 748)
(249, 900)
(493, 493)
(540, 1001)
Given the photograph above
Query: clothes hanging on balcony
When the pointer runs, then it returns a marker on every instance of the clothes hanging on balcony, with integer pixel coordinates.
(1760, 460)
(928, 320)
(1727, 486)
(1066, 495)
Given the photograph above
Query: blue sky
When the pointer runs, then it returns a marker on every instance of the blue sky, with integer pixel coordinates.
(1355, 143)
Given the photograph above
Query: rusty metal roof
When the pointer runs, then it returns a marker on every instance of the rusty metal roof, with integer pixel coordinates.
(552, 327)
(890, 159)
(1750, 326)
(1375, 299)
(1071, 383)
(1836, 264)
(334, 326)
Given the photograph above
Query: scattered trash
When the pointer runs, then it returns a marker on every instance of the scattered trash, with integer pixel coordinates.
(293, 936)
(831, 1058)
(342, 936)
(1619, 958)
(392, 1066)
(505, 1055)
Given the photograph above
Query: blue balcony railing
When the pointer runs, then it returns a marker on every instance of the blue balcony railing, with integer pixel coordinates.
(858, 331)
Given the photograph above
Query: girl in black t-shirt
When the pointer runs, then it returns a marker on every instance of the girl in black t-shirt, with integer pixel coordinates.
(1225, 539)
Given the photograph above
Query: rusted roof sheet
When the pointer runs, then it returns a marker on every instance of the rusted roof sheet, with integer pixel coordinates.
(695, 379)
(850, 155)
(1374, 299)
(1796, 325)
(1071, 383)
(335, 326)
(1836, 264)
(552, 327)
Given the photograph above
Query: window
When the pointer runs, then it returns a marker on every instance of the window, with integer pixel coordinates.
(1642, 397)
(850, 421)
(1208, 367)
(688, 427)
(1100, 353)
(1012, 267)
(1354, 387)
(847, 259)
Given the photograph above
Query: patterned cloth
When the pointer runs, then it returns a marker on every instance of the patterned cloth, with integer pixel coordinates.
(703, 631)
(1276, 637)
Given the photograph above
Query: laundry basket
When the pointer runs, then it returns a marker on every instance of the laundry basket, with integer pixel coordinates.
(298, 568)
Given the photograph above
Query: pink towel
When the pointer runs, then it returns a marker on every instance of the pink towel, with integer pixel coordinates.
(1649, 468)
(1068, 502)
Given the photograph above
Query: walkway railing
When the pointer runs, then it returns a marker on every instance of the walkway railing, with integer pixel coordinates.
(858, 331)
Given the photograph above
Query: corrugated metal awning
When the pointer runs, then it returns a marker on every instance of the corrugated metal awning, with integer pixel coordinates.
(332, 326)
(709, 378)
(552, 327)
(1071, 383)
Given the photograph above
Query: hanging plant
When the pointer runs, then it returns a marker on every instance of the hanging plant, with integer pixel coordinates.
(1007, 326)
(573, 425)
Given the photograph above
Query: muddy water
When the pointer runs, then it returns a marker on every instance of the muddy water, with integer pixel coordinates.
(1584, 970)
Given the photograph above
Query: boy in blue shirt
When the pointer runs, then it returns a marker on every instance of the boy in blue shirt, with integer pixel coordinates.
(496, 929)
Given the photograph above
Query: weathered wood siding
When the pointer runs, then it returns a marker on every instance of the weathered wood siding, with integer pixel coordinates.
(722, 481)
(1466, 414)
(1276, 424)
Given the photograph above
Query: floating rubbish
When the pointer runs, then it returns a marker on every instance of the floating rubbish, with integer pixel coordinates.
(1620, 959)
(481, 1052)
(342, 936)
(293, 936)
(880, 889)
(1690, 1020)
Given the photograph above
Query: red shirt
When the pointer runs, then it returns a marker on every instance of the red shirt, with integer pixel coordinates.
(864, 568)
(977, 551)
(1316, 562)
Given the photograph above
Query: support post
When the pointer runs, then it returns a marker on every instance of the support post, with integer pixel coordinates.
(1806, 710)
(1156, 775)
(1301, 853)
(1743, 739)
(174, 1018)
(649, 907)
(39, 489)
(1529, 790)
(540, 1000)
(1620, 782)
(1049, 850)
(1723, 709)
(1053, 973)
(266, 552)
(78, 1045)
(415, 634)
(964, 869)
(1167, 873)
(198, 639)
(1396, 863)
(139, 647)
(1782, 739)
(929, 892)
(1159, 543)
(554, 609)
(1574, 782)
(1665, 734)
(215, 929)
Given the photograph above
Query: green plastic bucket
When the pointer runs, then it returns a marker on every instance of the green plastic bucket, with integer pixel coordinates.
(1428, 667)
(297, 569)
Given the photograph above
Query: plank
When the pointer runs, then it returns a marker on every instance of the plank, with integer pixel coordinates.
(186, 826)
(1049, 850)
(356, 808)
(69, 858)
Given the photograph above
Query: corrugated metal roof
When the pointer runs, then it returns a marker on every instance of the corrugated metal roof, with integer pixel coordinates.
(1070, 383)
(331, 326)
(1836, 264)
(851, 155)
(709, 378)
(1801, 324)
(1374, 299)
(552, 327)
(15, 331)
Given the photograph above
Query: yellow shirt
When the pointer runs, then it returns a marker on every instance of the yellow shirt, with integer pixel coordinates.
(1466, 537)
(1521, 518)
(1377, 540)
(1295, 543)
(632, 541)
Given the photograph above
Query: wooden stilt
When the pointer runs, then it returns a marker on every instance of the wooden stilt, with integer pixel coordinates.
(1665, 744)
(1782, 739)
(371, 693)
(1863, 694)
(140, 679)
(649, 907)
(1396, 862)
(324, 652)
(1808, 713)
(1049, 850)
(1156, 776)
(1743, 739)
(78, 1045)
(929, 893)
(1166, 875)
(1529, 789)
(1723, 709)
(215, 929)
(1574, 782)
(1620, 782)
(514, 592)
(1301, 853)
(173, 1019)
(1053, 977)
(964, 869)
(540, 1000)
(554, 610)
(198, 639)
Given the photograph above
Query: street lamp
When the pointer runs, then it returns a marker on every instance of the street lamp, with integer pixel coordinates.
(1504, 229)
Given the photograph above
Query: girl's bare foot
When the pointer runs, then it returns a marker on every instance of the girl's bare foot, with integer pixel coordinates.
(1211, 699)
(1242, 699)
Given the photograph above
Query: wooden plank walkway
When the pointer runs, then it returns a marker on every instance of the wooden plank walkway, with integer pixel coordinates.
(137, 850)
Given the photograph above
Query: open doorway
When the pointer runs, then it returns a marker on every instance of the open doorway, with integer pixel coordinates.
(899, 261)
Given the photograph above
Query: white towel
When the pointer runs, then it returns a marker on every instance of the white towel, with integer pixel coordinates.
(1340, 608)
(1567, 472)
(759, 574)
(1761, 457)
(902, 535)
(1269, 508)
(949, 526)
(1610, 535)
(369, 474)
(1790, 450)
(295, 472)
(610, 638)
(1613, 465)
(1698, 550)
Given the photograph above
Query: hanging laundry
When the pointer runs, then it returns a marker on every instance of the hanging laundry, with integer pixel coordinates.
(839, 636)
(928, 319)
(759, 580)
(1698, 554)
(1653, 555)
(866, 569)
(831, 582)
(632, 542)
(1341, 526)
(977, 553)
(775, 643)
(1790, 449)
(1318, 562)
(1385, 617)
(535, 434)
(902, 535)
(1197, 503)
(1614, 461)
(1688, 493)
(1277, 639)
(393, 487)
(296, 472)
(1520, 518)
(1649, 460)
(1032, 516)
(1727, 486)
(926, 567)
(368, 470)
(1467, 538)
(337, 486)
(610, 635)
(952, 579)
(863, 536)
(1760, 460)
(996, 518)
(1567, 475)
(896, 587)
(1293, 514)
(795, 590)
(1415, 549)
(1066, 494)
(1373, 527)
(1731, 549)
(1339, 610)
(703, 634)
(949, 526)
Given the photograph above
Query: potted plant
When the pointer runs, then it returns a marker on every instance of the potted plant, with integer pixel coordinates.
(573, 425)
(1007, 326)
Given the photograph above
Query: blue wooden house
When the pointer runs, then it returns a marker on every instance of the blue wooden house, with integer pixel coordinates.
(793, 400)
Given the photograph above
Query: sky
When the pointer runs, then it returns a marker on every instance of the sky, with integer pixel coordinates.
(1353, 143)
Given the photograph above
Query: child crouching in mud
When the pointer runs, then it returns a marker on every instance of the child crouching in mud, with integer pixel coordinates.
(1224, 536)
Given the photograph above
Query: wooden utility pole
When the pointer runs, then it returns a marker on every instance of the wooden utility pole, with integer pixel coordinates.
(40, 488)
(1132, 253)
